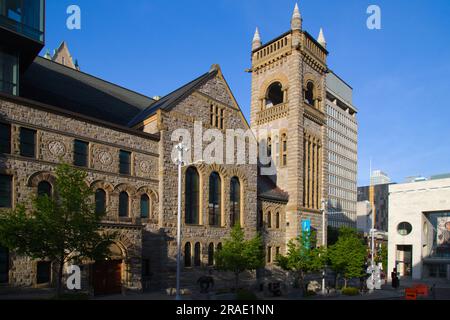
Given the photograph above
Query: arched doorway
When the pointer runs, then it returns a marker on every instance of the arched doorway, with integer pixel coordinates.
(107, 274)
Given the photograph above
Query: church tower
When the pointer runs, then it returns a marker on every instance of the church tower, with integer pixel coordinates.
(287, 114)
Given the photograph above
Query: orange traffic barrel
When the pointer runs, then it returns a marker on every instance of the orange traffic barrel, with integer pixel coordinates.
(421, 289)
(411, 294)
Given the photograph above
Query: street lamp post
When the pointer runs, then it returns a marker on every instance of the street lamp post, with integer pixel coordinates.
(181, 149)
(324, 239)
(180, 162)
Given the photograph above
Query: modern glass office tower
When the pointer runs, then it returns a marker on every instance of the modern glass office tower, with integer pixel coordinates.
(342, 129)
(21, 39)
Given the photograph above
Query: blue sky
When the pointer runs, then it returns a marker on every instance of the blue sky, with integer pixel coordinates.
(400, 74)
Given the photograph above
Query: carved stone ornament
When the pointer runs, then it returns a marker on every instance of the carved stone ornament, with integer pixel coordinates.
(57, 148)
(105, 158)
(145, 166)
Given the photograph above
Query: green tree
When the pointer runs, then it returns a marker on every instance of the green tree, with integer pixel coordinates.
(303, 257)
(348, 255)
(239, 255)
(62, 228)
(333, 235)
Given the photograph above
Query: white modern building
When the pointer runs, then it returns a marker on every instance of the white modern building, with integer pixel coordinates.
(342, 134)
(364, 216)
(419, 229)
(379, 177)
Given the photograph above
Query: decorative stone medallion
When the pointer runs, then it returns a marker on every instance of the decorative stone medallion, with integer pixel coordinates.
(105, 158)
(145, 166)
(57, 148)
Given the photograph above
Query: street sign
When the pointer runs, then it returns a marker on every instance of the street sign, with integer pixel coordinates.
(306, 226)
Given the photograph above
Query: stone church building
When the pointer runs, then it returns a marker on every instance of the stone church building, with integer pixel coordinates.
(51, 110)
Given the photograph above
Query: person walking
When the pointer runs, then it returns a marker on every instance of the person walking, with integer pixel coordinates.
(395, 279)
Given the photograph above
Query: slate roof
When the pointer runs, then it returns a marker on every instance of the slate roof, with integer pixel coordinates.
(50, 83)
(268, 190)
(171, 99)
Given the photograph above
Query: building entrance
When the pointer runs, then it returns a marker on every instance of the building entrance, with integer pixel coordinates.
(404, 261)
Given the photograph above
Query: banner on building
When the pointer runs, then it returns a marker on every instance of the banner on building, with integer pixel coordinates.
(306, 226)
(443, 233)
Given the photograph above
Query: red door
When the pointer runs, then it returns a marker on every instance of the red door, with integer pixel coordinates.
(108, 277)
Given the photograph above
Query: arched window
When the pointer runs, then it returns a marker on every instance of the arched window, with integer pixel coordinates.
(44, 189)
(197, 255)
(211, 254)
(277, 220)
(100, 201)
(187, 255)
(192, 196)
(275, 95)
(309, 94)
(284, 149)
(269, 220)
(215, 199)
(145, 206)
(124, 204)
(235, 201)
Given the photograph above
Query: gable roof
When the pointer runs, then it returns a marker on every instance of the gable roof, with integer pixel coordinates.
(268, 190)
(50, 83)
(167, 102)
(64, 52)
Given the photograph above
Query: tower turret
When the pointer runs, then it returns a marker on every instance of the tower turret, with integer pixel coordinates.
(256, 44)
(321, 39)
(296, 21)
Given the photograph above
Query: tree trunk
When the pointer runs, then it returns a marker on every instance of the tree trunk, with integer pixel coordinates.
(59, 288)
(345, 283)
(301, 280)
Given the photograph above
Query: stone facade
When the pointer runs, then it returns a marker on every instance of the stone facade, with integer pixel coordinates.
(153, 172)
(191, 109)
(54, 142)
(147, 248)
(294, 61)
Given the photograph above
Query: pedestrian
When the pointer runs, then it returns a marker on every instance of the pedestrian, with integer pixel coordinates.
(395, 280)
(433, 291)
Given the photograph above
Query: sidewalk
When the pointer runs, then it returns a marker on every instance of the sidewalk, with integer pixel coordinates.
(26, 294)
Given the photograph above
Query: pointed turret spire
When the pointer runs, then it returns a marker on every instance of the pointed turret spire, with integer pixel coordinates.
(296, 21)
(47, 55)
(321, 39)
(256, 44)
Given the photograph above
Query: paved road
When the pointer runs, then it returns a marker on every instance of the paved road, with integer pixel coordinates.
(442, 292)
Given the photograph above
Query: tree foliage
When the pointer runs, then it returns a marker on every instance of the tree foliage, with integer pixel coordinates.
(303, 257)
(239, 255)
(61, 228)
(348, 255)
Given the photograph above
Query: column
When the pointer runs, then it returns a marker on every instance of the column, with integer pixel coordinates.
(306, 172)
(311, 159)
